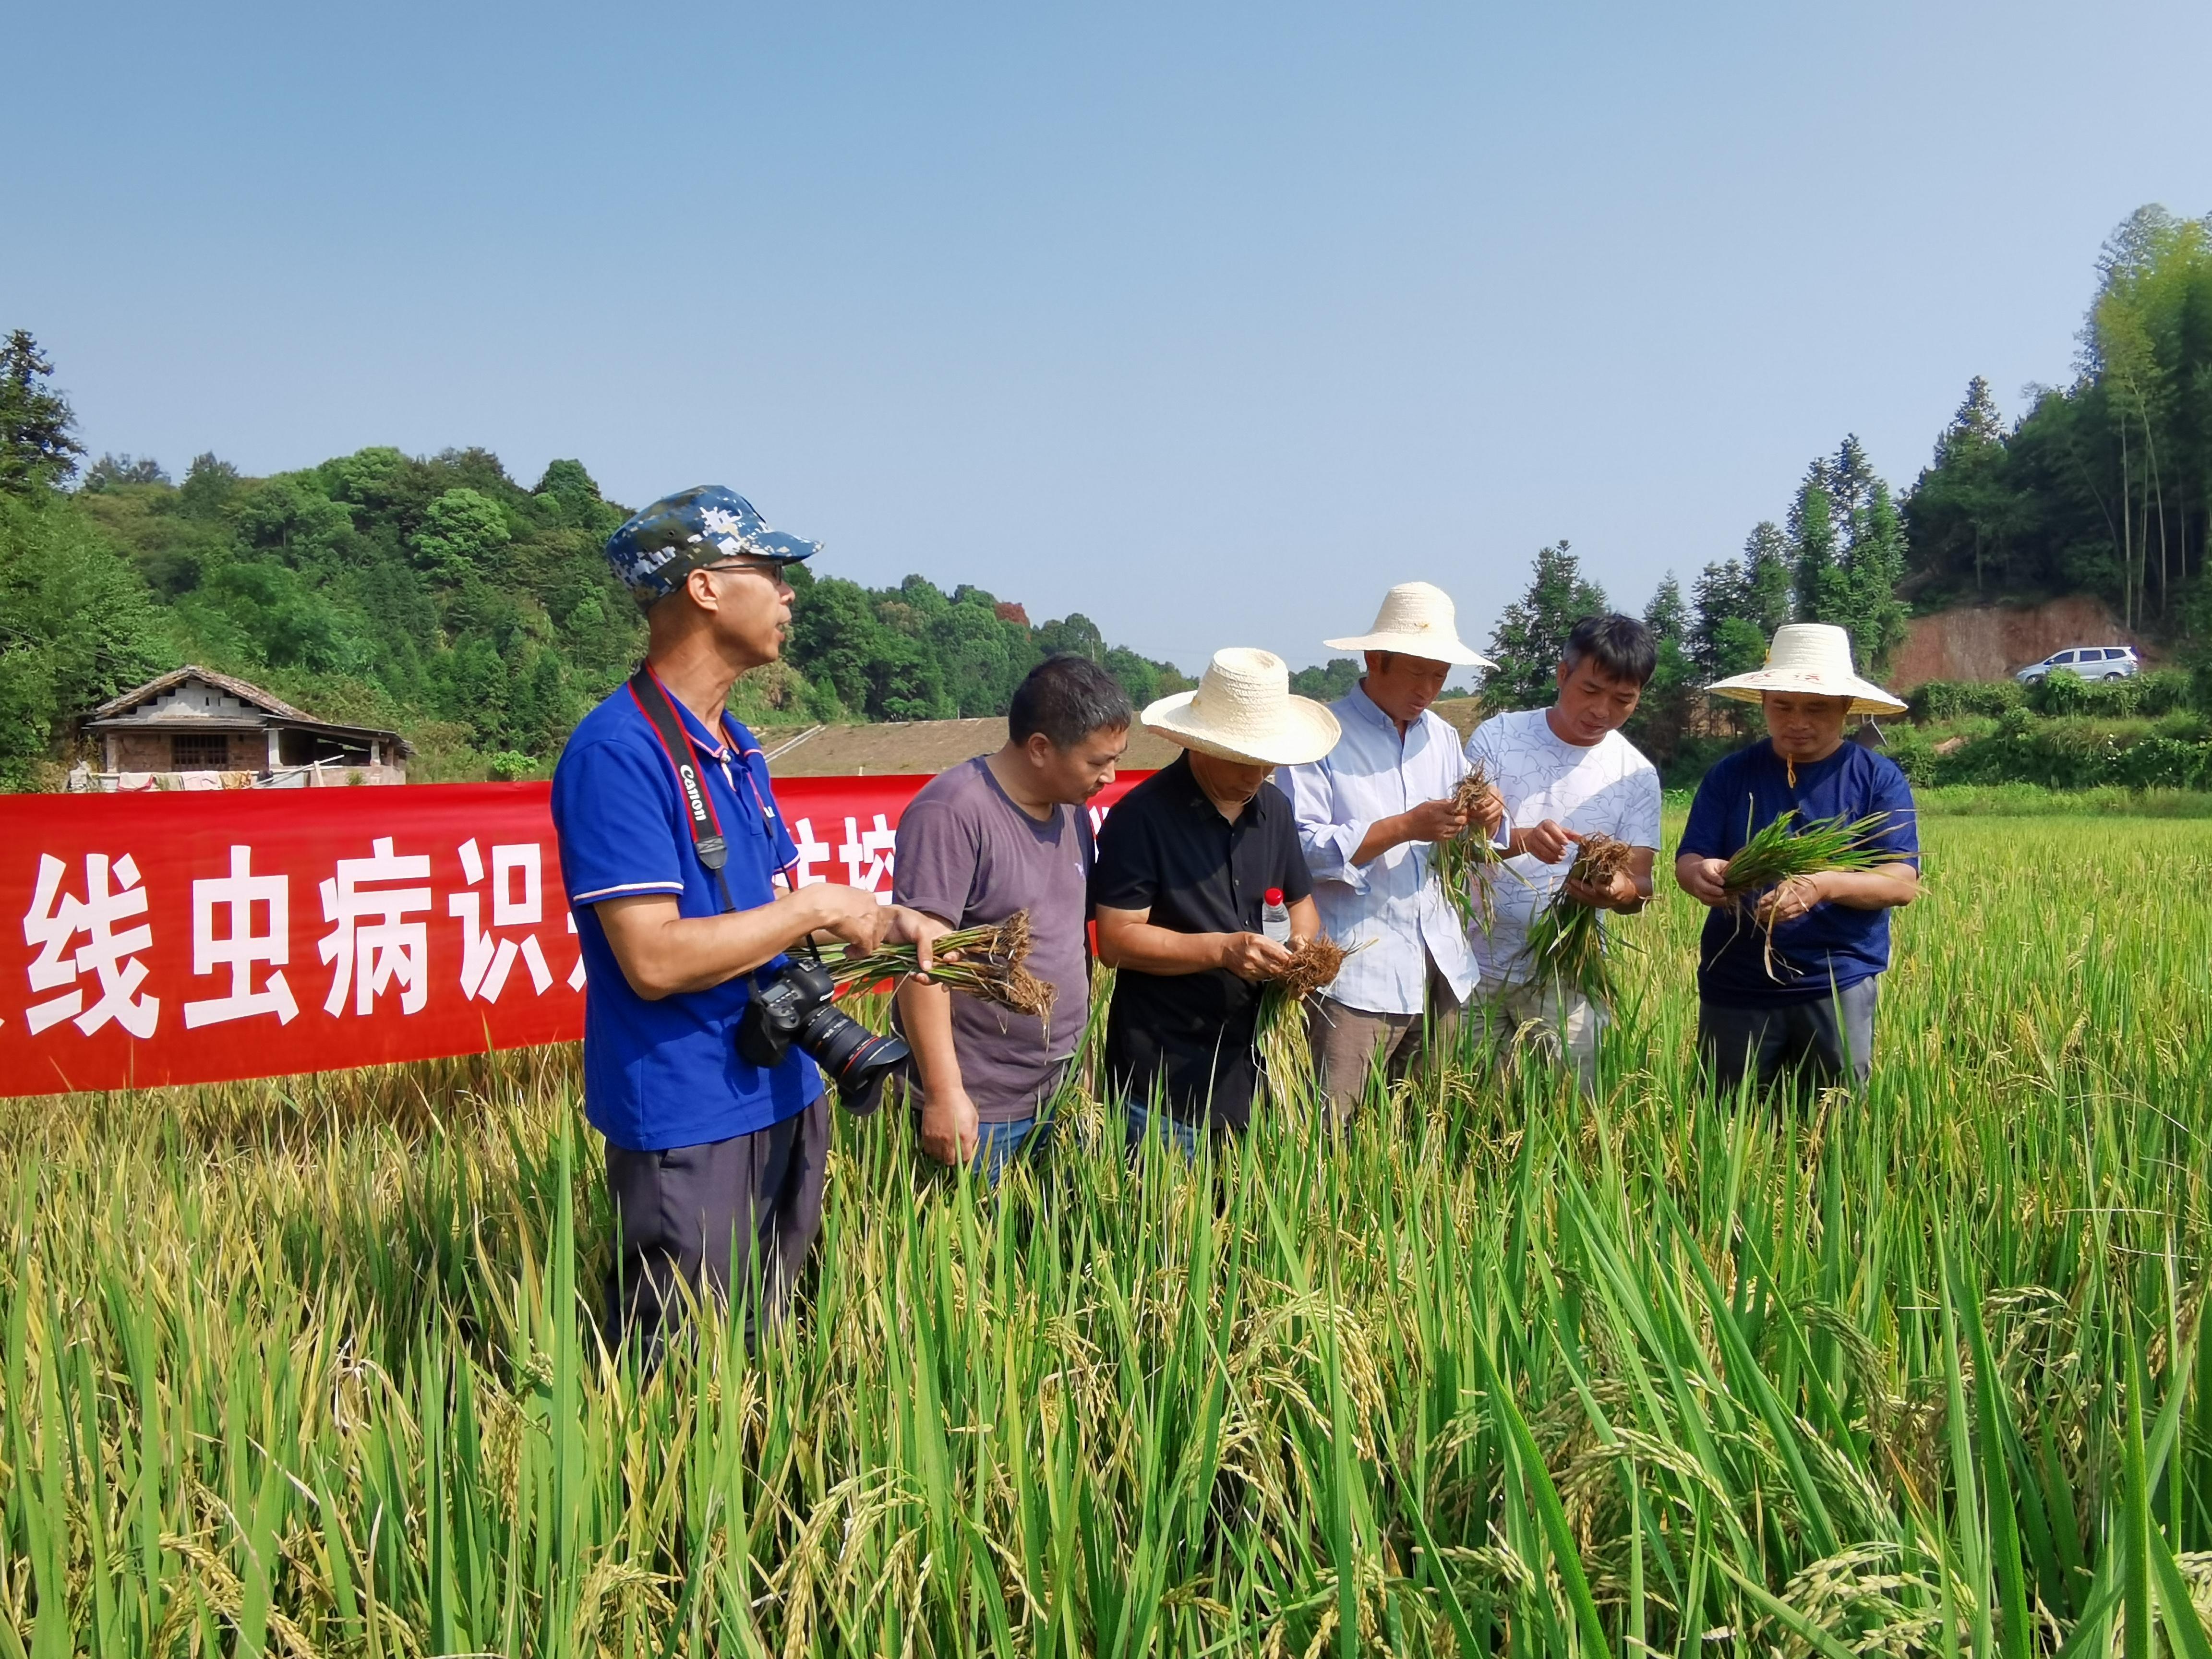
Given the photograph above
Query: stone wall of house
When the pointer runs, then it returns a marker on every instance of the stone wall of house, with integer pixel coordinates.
(154, 751)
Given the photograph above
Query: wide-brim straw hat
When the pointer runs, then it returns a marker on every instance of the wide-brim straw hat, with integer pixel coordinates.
(1813, 658)
(1419, 620)
(1242, 711)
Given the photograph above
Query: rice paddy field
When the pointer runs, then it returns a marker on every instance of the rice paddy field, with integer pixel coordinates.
(310, 1367)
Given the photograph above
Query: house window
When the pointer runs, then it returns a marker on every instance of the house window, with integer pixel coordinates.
(199, 753)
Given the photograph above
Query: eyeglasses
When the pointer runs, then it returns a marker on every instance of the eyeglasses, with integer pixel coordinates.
(770, 568)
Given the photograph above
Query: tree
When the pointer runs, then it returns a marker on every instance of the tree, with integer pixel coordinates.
(1072, 635)
(1531, 637)
(1874, 565)
(1329, 683)
(572, 491)
(208, 485)
(37, 447)
(122, 470)
(2102, 486)
(1847, 550)
(1962, 511)
(76, 626)
(1815, 567)
(460, 532)
(1662, 717)
(1736, 606)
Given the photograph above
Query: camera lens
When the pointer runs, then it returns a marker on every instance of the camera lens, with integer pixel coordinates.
(859, 1062)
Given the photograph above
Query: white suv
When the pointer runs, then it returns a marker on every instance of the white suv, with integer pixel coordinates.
(2091, 662)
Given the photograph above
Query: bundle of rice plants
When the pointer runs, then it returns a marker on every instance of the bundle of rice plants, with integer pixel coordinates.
(1468, 864)
(986, 962)
(1285, 1049)
(1776, 853)
(1565, 942)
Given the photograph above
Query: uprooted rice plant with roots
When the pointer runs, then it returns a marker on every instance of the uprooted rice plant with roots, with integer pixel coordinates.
(310, 1367)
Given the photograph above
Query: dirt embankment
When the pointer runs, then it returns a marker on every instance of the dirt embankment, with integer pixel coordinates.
(1988, 641)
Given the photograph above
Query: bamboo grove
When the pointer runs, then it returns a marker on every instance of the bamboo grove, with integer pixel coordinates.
(308, 1368)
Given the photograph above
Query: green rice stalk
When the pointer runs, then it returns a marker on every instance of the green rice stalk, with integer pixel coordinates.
(1566, 941)
(1774, 854)
(311, 1364)
(1469, 864)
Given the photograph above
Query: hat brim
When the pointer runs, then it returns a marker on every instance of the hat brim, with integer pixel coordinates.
(1867, 698)
(1454, 651)
(775, 545)
(1300, 732)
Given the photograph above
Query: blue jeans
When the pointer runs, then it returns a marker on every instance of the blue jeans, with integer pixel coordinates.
(997, 1145)
(1176, 1132)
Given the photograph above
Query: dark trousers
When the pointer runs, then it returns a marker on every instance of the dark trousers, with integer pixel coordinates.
(1808, 1045)
(727, 1219)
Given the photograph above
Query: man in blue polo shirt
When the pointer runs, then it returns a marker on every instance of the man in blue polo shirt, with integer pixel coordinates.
(1787, 985)
(715, 1165)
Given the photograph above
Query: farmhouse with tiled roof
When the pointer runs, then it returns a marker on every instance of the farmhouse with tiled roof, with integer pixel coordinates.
(192, 728)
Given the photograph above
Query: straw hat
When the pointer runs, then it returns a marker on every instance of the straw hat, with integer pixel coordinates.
(1811, 657)
(1418, 619)
(1243, 711)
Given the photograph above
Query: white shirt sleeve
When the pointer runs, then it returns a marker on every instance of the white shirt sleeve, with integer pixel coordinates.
(1641, 828)
(1480, 751)
(1329, 844)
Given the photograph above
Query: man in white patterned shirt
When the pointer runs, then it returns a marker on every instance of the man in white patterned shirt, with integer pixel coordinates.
(1367, 815)
(1566, 772)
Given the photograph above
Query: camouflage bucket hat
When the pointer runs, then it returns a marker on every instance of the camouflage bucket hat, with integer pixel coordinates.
(692, 529)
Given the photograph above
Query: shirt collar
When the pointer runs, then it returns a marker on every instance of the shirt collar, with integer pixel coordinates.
(1256, 810)
(710, 743)
(1357, 702)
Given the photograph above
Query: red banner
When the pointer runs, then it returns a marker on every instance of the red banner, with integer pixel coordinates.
(197, 938)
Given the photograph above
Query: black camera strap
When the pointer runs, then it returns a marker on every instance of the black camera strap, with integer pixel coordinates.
(652, 699)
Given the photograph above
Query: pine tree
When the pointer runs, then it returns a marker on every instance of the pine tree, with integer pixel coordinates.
(1531, 637)
(1846, 552)
(1768, 583)
(1850, 482)
(1873, 565)
(1962, 513)
(1816, 570)
(38, 448)
(1717, 599)
(1662, 717)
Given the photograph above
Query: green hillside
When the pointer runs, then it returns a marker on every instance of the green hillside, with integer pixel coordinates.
(434, 596)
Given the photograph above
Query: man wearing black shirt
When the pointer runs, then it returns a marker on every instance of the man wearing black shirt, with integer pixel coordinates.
(1185, 862)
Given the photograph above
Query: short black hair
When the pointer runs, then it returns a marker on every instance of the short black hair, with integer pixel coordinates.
(1067, 698)
(1620, 647)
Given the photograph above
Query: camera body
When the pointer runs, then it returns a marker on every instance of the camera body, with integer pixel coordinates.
(796, 1008)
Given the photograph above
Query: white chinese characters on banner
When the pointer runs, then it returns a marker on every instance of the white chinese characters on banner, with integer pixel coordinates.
(576, 974)
(56, 918)
(866, 855)
(517, 901)
(241, 947)
(811, 852)
(369, 947)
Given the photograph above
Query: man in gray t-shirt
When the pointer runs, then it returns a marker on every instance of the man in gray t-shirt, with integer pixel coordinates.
(1004, 832)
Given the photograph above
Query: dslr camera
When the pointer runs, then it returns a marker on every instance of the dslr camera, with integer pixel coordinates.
(795, 1008)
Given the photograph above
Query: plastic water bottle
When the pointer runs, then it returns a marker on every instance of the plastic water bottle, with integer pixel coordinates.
(1275, 917)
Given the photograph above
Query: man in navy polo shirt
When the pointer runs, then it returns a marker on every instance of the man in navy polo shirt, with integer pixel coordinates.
(1787, 985)
(715, 1165)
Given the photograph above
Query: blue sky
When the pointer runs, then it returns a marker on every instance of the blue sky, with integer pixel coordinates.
(1210, 321)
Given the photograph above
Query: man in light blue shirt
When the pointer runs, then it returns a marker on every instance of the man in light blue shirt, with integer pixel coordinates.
(1367, 815)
